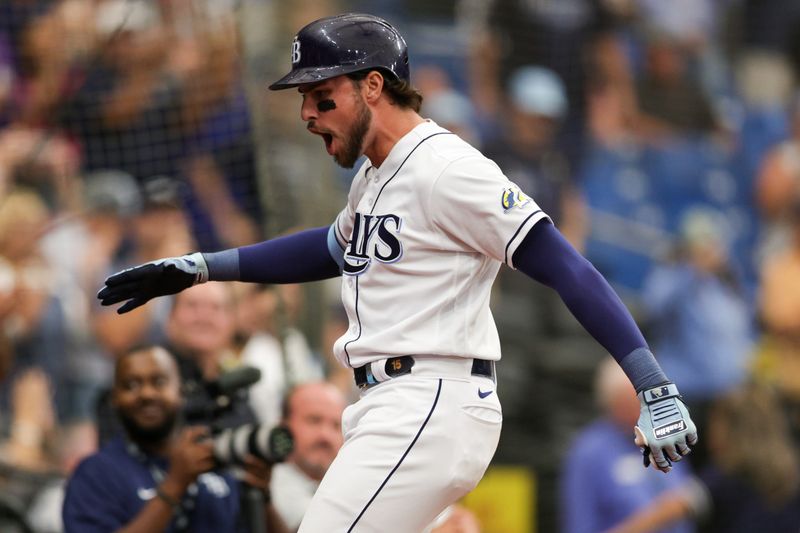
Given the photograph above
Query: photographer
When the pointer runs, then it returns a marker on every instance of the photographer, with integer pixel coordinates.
(161, 477)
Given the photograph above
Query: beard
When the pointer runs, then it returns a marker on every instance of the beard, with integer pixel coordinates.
(355, 141)
(154, 434)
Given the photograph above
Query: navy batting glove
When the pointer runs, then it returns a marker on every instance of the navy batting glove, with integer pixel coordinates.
(665, 431)
(142, 283)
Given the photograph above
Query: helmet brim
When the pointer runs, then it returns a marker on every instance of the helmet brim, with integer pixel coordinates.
(305, 75)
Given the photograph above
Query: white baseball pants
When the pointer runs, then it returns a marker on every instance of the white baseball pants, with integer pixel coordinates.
(413, 445)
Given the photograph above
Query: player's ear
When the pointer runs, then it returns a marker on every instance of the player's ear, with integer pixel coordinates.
(373, 86)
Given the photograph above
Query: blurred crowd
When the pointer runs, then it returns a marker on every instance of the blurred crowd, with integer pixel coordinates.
(662, 137)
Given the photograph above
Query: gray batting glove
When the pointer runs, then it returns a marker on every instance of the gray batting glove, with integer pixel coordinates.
(140, 284)
(665, 431)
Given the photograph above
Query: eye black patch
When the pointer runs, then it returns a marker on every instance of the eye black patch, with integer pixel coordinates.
(326, 105)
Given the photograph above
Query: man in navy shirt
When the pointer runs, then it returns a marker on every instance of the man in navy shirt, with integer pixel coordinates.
(161, 477)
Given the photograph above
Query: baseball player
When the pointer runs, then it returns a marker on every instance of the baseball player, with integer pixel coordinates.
(428, 222)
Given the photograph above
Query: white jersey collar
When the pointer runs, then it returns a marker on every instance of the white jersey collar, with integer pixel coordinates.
(403, 147)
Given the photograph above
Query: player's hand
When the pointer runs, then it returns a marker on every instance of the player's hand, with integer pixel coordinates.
(140, 284)
(665, 432)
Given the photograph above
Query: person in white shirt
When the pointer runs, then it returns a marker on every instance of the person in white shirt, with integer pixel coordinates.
(313, 413)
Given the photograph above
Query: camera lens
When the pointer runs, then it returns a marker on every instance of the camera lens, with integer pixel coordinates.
(272, 445)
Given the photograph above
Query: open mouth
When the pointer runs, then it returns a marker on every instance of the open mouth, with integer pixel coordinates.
(327, 137)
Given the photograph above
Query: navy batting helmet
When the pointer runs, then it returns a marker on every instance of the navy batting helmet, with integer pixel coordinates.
(343, 44)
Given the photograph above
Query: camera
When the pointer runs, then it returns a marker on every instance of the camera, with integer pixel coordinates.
(215, 399)
(272, 445)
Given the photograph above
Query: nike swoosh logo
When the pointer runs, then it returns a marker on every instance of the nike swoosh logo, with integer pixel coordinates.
(146, 494)
(482, 394)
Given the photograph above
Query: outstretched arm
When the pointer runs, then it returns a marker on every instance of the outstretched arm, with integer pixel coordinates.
(296, 258)
(309, 255)
(546, 256)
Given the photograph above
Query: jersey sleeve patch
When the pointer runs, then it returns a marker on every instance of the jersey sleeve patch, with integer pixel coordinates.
(475, 204)
(513, 197)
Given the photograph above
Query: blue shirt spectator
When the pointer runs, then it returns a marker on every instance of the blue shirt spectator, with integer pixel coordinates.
(111, 487)
(162, 477)
(699, 309)
(752, 481)
(704, 329)
(598, 494)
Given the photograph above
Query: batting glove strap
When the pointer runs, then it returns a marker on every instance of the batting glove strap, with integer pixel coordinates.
(193, 264)
(136, 286)
(662, 392)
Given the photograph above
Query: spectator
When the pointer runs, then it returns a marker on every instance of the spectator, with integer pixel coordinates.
(752, 481)
(778, 186)
(76, 441)
(454, 112)
(31, 317)
(161, 475)
(200, 331)
(779, 362)
(54, 48)
(39, 160)
(596, 495)
(32, 423)
(148, 87)
(574, 39)
(701, 317)
(160, 227)
(669, 101)
(697, 27)
(313, 412)
(266, 318)
(26, 460)
(85, 247)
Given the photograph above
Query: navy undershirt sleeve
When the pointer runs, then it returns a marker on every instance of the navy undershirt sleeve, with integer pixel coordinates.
(546, 256)
(296, 258)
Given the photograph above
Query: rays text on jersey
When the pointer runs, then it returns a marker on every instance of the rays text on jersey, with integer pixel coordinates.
(374, 236)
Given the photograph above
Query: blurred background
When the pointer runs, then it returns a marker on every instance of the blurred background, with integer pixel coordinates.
(662, 137)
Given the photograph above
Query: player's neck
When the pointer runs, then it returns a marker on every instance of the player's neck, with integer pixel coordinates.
(388, 128)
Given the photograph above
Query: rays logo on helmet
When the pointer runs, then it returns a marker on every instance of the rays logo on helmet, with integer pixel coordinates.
(513, 197)
(295, 51)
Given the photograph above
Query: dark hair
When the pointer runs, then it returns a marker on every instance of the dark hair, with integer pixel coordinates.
(138, 349)
(400, 91)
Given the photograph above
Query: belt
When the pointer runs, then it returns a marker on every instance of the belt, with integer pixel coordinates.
(401, 365)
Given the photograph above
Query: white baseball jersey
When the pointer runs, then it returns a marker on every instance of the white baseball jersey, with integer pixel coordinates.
(423, 238)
